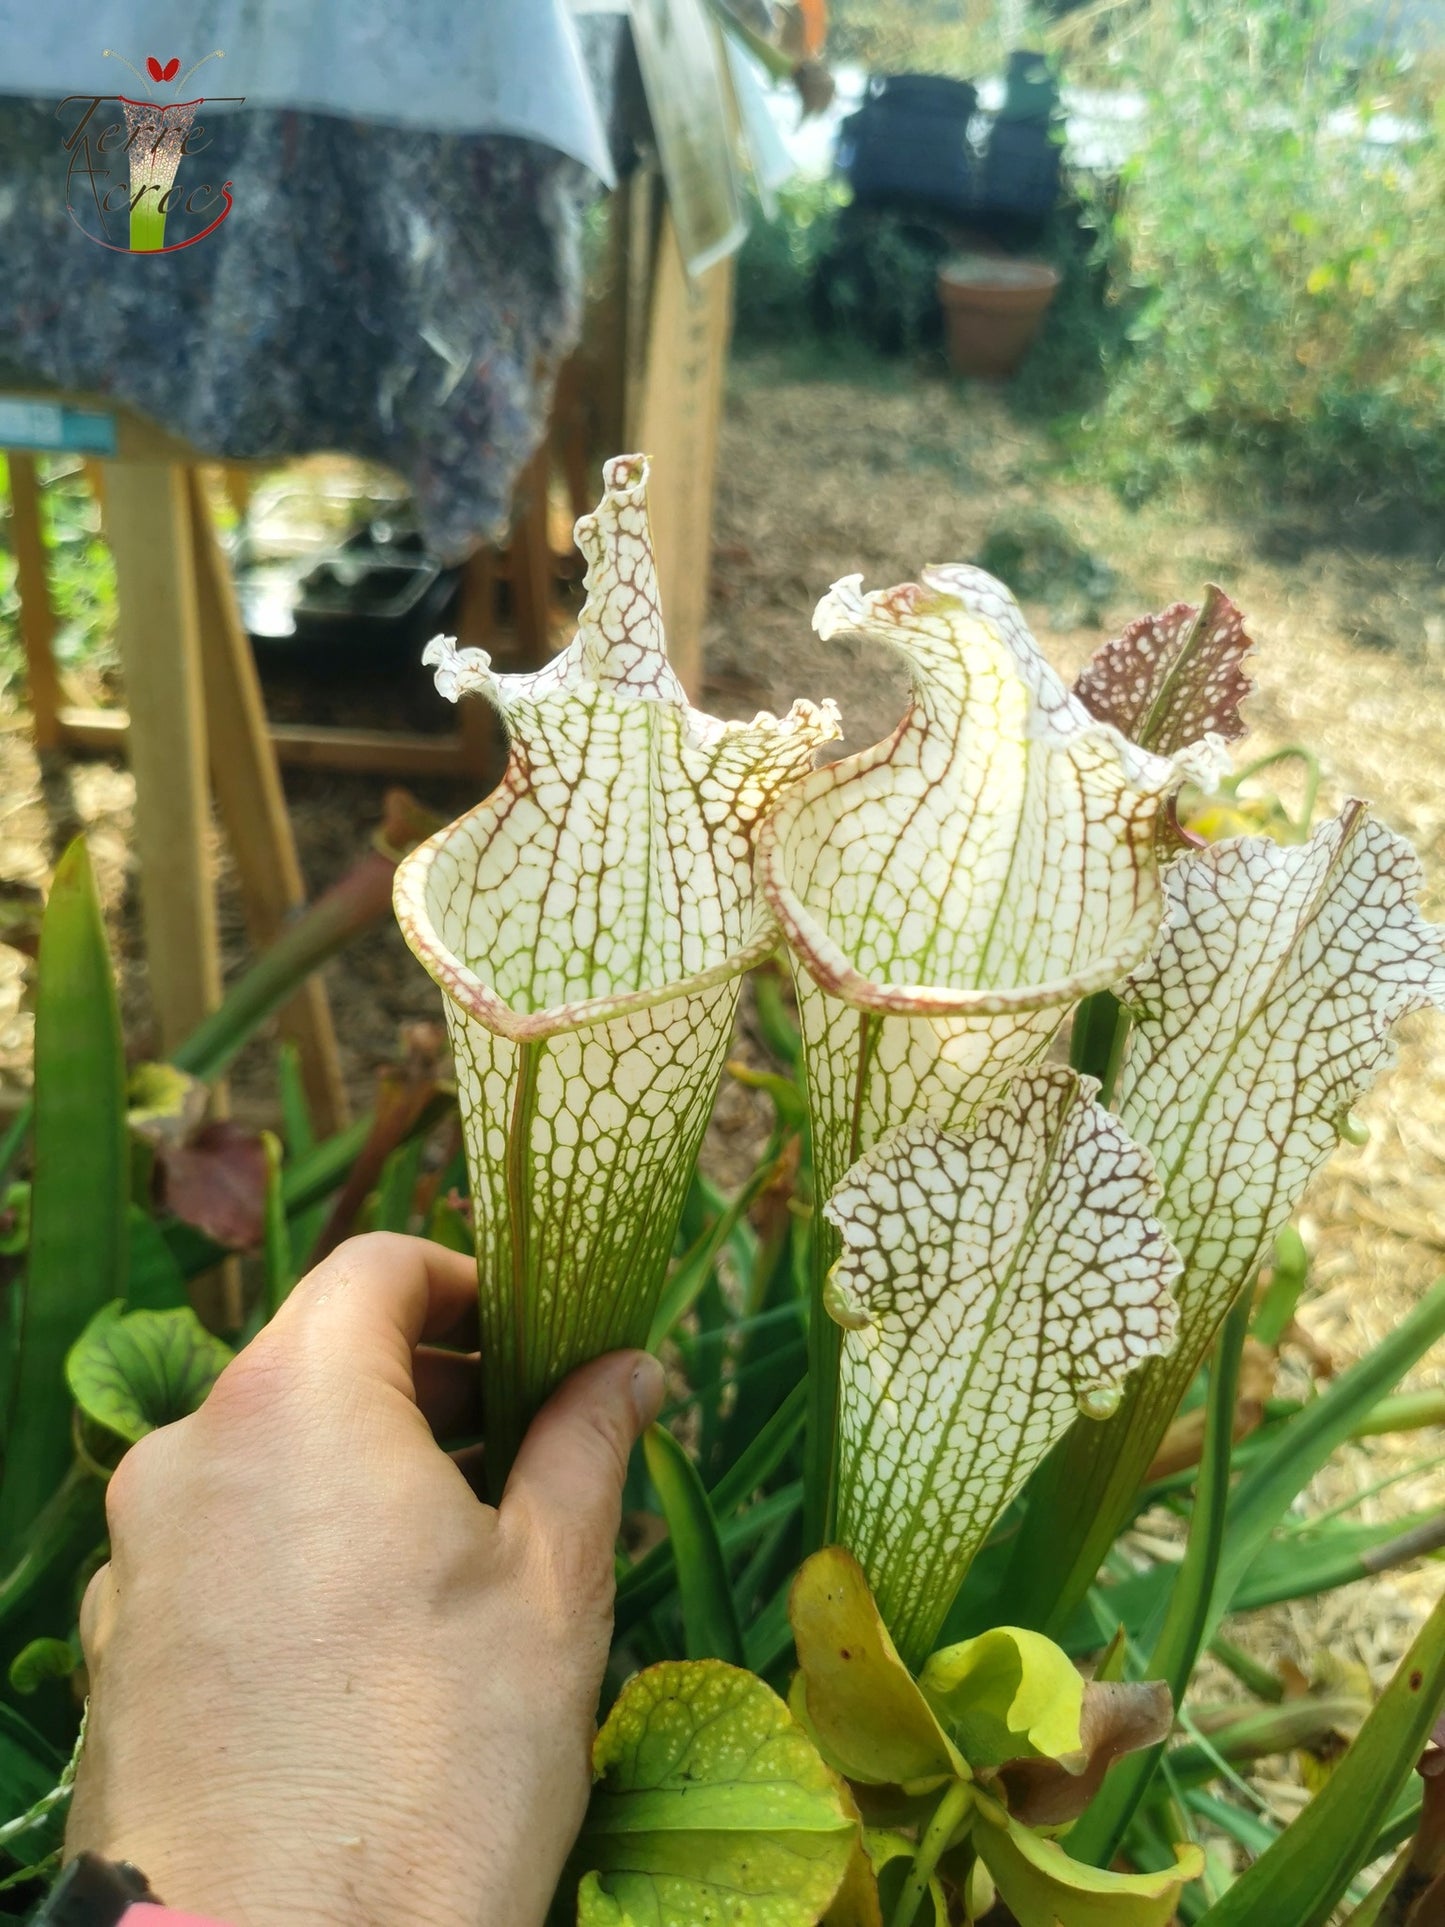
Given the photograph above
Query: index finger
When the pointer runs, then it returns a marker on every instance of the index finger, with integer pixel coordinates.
(374, 1300)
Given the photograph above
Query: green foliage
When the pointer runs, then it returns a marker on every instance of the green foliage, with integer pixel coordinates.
(711, 1804)
(1304, 1875)
(129, 1372)
(879, 283)
(720, 1583)
(41, 1660)
(77, 1256)
(1186, 1622)
(779, 259)
(1284, 265)
(861, 277)
(81, 576)
(99, 1339)
(714, 1798)
(994, 1735)
(1035, 554)
(153, 1278)
(710, 1621)
(916, 36)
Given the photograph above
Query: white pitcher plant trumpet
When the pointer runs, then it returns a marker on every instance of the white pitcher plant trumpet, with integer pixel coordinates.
(590, 923)
(1008, 1250)
(951, 893)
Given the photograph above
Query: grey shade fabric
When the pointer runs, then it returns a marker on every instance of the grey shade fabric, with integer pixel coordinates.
(401, 294)
(454, 66)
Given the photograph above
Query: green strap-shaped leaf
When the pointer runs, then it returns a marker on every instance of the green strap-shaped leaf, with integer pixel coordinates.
(1174, 678)
(154, 1281)
(80, 1196)
(711, 1805)
(300, 1139)
(641, 1587)
(590, 922)
(276, 1246)
(133, 1371)
(1190, 1616)
(1264, 1013)
(1302, 1877)
(29, 1764)
(709, 1616)
(950, 892)
(994, 1284)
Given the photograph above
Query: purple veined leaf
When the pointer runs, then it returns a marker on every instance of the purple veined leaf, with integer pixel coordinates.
(590, 923)
(216, 1180)
(1173, 679)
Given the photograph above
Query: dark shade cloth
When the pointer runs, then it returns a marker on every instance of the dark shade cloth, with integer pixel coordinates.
(388, 292)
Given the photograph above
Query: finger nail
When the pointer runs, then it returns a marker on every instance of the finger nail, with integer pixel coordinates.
(648, 1386)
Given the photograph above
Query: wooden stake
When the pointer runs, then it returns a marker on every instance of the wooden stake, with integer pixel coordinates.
(678, 413)
(531, 565)
(37, 619)
(253, 806)
(149, 525)
(477, 629)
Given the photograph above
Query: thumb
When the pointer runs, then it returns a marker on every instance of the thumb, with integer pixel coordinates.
(565, 1487)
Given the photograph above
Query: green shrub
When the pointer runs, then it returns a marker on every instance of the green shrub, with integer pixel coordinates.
(1288, 271)
(779, 259)
(81, 577)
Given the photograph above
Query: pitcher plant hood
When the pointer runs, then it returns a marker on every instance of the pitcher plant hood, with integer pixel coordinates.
(949, 893)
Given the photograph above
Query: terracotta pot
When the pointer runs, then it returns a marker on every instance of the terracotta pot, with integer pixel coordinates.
(992, 308)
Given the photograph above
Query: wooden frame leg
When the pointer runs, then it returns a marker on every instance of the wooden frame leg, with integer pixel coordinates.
(477, 629)
(37, 619)
(94, 472)
(531, 564)
(149, 526)
(677, 417)
(252, 804)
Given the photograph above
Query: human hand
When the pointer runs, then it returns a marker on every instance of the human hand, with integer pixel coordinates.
(329, 1687)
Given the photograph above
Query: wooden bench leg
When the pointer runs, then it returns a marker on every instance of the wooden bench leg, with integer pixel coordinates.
(678, 413)
(37, 619)
(531, 564)
(252, 803)
(149, 527)
(477, 724)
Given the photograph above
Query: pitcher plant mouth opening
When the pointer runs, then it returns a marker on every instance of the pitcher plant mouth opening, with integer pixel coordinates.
(426, 905)
(997, 853)
(611, 869)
